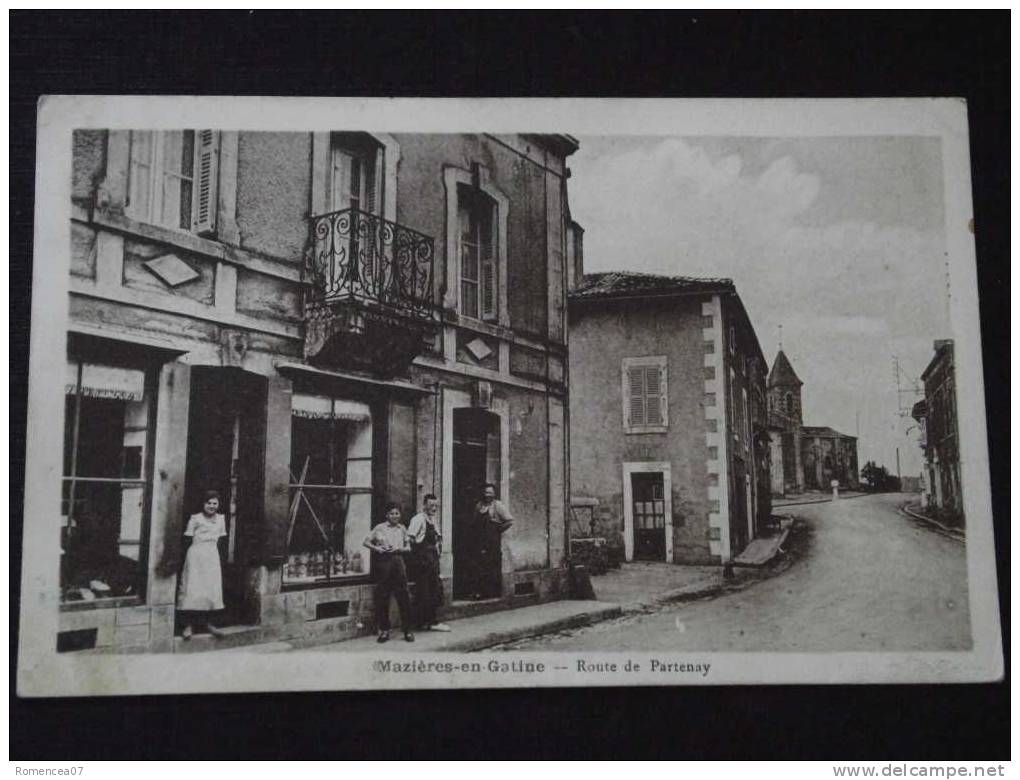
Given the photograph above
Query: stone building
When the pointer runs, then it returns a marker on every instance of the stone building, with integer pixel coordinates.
(936, 414)
(314, 324)
(804, 457)
(668, 415)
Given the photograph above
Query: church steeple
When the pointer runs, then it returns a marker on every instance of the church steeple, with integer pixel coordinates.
(784, 389)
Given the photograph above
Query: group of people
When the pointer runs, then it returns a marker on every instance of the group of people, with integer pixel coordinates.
(403, 554)
(412, 552)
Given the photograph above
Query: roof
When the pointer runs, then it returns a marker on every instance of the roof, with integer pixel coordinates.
(823, 430)
(782, 372)
(627, 284)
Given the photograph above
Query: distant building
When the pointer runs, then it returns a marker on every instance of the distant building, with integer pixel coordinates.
(668, 415)
(937, 416)
(804, 457)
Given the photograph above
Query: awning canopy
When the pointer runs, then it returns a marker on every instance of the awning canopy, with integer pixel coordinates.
(124, 384)
(320, 407)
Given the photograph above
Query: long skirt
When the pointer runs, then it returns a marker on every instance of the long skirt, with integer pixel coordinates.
(201, 586)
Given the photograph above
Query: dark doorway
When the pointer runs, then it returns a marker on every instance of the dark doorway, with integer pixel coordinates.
(649, 505)
(226, 440)
(477, 553)
(738, 523)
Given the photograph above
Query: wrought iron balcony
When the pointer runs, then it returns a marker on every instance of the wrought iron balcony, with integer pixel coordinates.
(360, 256)
(369, 302)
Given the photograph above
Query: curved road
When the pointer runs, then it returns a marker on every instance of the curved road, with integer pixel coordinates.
(870, 580)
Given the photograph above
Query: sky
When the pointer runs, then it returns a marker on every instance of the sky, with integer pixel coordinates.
(836, 245)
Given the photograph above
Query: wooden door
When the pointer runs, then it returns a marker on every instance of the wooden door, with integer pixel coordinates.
(649, 507)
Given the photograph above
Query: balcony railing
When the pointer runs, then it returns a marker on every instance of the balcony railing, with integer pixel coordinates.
(360, 257)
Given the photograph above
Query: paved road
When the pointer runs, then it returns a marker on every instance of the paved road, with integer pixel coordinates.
(870, 579)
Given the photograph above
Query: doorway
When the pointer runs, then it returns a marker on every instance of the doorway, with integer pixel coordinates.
(477, 549)
(741, 507)
(649, 512)
(226, 440)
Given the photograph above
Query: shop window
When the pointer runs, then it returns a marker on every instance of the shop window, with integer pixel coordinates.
(330, 490)
(107, 417)
(173, 177)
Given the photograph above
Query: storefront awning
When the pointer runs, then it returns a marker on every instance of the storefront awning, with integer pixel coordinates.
(124, 384)
(320, 407)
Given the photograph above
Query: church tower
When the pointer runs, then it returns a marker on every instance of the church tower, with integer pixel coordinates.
(784, 390)
(786, 415)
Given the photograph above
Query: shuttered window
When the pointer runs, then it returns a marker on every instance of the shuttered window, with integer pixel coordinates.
(477, 219)
(173, 178)
(645, 407)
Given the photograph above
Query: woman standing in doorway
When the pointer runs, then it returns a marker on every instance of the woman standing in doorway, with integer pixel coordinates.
(200, 592)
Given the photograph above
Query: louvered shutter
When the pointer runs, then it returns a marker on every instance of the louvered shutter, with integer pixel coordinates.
(488, 248)
(206, 178)
(636, 403)
(653, 396)
(488, 288)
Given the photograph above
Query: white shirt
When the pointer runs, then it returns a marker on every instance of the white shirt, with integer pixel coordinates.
(416, 527)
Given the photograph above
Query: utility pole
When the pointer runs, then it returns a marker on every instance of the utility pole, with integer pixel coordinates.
(898, 463)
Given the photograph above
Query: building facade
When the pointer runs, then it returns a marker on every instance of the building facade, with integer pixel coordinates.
(313, 324)
(936, 415)
(804, 457)
(668, 415)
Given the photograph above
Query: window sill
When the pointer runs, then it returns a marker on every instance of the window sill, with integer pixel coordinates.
(647, 429)
(112, 603)
(340, 582)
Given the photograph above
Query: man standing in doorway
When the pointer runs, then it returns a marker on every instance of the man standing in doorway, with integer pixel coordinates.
(426, 544)
(492, 518)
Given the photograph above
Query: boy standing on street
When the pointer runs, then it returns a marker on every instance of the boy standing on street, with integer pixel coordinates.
(389, 541)
(426, 540)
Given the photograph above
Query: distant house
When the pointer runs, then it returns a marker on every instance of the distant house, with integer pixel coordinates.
(937, 416)
(668, 414)
(804, 457)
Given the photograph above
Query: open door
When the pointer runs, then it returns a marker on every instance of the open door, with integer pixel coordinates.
(226, 437)
(648, 492)
(477, 548)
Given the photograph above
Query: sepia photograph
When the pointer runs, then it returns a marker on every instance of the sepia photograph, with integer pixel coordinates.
(345, 394)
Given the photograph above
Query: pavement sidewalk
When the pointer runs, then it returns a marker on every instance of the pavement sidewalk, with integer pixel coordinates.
(813, 498)
(482, 631)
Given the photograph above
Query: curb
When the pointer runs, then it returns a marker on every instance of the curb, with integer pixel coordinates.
(596, 615)
(821, 500)
(952, 533)
(687, 593)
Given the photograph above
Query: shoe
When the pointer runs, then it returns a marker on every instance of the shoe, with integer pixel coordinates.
(440, 627)
(408, 636)
(187, 632)
(384, 636)
(217, 632)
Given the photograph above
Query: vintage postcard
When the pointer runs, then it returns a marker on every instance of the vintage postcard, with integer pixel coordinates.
(368, 394)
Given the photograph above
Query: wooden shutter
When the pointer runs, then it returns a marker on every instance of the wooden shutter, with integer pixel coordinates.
(636, 395)
(487, 226)
(206, 179)
(488, 283)
(653, 396)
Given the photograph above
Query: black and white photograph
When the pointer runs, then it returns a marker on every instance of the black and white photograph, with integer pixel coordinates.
(344, 394)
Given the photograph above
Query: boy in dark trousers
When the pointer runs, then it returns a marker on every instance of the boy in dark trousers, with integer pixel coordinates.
(390, 542)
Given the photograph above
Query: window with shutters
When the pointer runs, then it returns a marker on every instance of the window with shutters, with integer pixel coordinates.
(172, 178)
(645, 394)
(476, 220)
(355, 167)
